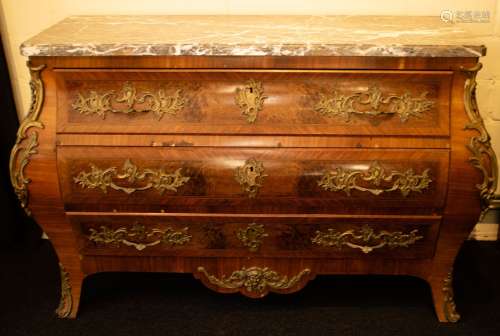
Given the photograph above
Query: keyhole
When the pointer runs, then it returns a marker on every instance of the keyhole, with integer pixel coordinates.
(251, 90)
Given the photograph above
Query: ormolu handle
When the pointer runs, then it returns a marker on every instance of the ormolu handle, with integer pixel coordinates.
(381, 181)
(372, 102)
(365, 239)
(139, 236)
(129, 101)
(154, 178)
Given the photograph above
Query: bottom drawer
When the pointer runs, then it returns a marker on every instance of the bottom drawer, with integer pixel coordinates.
(275, 236)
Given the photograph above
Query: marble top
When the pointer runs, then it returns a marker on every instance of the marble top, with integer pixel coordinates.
(256, 36)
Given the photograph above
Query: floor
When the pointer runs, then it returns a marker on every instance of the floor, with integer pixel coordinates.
(173, 304)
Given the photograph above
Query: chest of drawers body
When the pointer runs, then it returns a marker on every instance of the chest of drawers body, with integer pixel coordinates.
(255, 173)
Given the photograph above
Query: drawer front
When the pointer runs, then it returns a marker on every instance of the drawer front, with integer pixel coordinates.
(254, 102)
(388, 236)
(252, 180)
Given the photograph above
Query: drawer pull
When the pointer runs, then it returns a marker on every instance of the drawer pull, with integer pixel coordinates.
(128, 101)
(154, 178)
(373, 102)
(346, 180)
(255, 279)
(366, 235)
(138, 237)
(250, 99)
(250, 176)
(252, 236)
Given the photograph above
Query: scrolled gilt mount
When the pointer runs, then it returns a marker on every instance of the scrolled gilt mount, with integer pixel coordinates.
(365, 239)
(483, 157)
(373, 102)
(129, 101)
(380, 181)
(139, 237)
(148, 177)
(254, 281)
(22, 151)
(250, 99)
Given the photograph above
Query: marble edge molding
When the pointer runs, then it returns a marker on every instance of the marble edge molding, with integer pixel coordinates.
(256, 49)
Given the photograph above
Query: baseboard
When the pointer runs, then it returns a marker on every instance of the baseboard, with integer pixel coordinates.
(488, 228)
(485, 231)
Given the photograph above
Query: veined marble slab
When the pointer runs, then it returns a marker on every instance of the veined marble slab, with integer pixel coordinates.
(255, 36)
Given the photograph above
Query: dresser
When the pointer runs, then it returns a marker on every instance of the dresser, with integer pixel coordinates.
(254, 152)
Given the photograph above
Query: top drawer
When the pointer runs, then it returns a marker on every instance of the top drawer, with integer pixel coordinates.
(325, 102)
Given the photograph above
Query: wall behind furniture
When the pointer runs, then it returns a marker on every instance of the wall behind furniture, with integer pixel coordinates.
(21, 19)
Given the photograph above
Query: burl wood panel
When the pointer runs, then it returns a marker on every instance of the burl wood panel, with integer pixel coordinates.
(204, 101)
(290, 181)
(459, 211)
(255, 236)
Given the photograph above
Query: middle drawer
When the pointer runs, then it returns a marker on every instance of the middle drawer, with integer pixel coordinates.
(252, 180)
